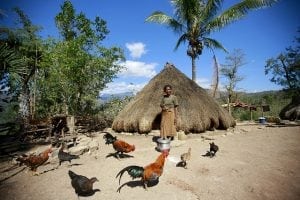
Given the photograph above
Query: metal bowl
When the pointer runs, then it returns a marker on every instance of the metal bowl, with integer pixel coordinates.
(163, 145)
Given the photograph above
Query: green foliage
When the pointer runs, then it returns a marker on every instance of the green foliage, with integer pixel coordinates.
(78, 67)
(24, 42)
(57, 76)
(275, 99)
(285, 68)
(110, 109)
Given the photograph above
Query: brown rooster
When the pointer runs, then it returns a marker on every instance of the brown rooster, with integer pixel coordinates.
(149, 173)
(119, 145)
(184, 158)
(34, 161)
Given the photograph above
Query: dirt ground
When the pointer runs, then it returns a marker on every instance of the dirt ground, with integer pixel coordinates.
(254, 162)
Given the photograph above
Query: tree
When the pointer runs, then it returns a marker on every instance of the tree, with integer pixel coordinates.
(24, 42)
(78, 66)
(285, 68)
(10, 63)
(195, 20)
(230, 71)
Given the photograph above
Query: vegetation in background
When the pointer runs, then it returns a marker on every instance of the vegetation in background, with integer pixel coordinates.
(110, 109)
(79, 66)
(285, 68)
(196, 20)
(43, 77)
(275, 99)
(25, 42)
(49, 76)
(229, 71)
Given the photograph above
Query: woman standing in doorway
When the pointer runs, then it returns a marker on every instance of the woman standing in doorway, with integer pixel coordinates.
(169, 104)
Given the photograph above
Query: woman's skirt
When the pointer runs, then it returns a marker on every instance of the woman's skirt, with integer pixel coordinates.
(167, 125)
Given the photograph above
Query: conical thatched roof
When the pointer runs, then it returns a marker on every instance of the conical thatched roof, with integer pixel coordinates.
(198, 111)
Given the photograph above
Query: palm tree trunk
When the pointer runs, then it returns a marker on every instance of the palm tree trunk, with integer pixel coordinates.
(193, 69)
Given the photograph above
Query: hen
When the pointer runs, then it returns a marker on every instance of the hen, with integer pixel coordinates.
(149, 173)
(83, 186)
(34, 161)
(119, 145)
(184, 158)
(64, 156)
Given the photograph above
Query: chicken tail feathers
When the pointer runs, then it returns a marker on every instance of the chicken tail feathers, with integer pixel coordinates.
(109, 139)
(133, 170)
(75, 156)
(71, 157)
(72, 174)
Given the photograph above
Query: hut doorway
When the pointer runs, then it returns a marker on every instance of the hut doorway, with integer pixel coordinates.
(156, 122)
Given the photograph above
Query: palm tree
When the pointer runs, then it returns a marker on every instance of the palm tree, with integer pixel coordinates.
(195, 20)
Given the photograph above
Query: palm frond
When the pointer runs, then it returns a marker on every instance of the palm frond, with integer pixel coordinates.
(10, 61)
(181, 40)
(213, 44)
(238, 11)
(161, 18)
(185, 10)
(211, 9)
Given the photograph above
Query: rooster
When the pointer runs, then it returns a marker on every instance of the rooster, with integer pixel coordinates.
(119, 145)
(34, 161)
(149, 173)
(213, 148)
(184, 158)
(83, 186)
(64, 156)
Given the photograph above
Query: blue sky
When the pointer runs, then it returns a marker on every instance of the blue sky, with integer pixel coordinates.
(262, 34)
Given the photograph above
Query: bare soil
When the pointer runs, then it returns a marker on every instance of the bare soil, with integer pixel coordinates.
(254, 162)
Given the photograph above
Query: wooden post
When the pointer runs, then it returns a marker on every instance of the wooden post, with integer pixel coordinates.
(71, 124)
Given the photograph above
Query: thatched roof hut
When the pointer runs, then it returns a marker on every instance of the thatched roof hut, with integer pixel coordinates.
(197, 110)
(292, 110)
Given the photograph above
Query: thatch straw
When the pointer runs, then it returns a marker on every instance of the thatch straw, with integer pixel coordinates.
(197, 110)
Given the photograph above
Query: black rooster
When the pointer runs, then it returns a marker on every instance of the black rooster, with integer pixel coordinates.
(64, 156)
(213, 148)
(83, 186)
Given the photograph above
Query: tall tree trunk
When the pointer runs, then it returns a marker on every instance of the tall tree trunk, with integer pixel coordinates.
(215, 82)
(193, 69)
(24, 103)
(229, 105)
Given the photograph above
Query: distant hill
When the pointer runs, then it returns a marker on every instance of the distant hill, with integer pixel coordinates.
(107, 97)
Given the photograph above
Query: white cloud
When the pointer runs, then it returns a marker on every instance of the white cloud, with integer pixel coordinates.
(136, 49)
(138, 69)
(204, 83)
(121, 87)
